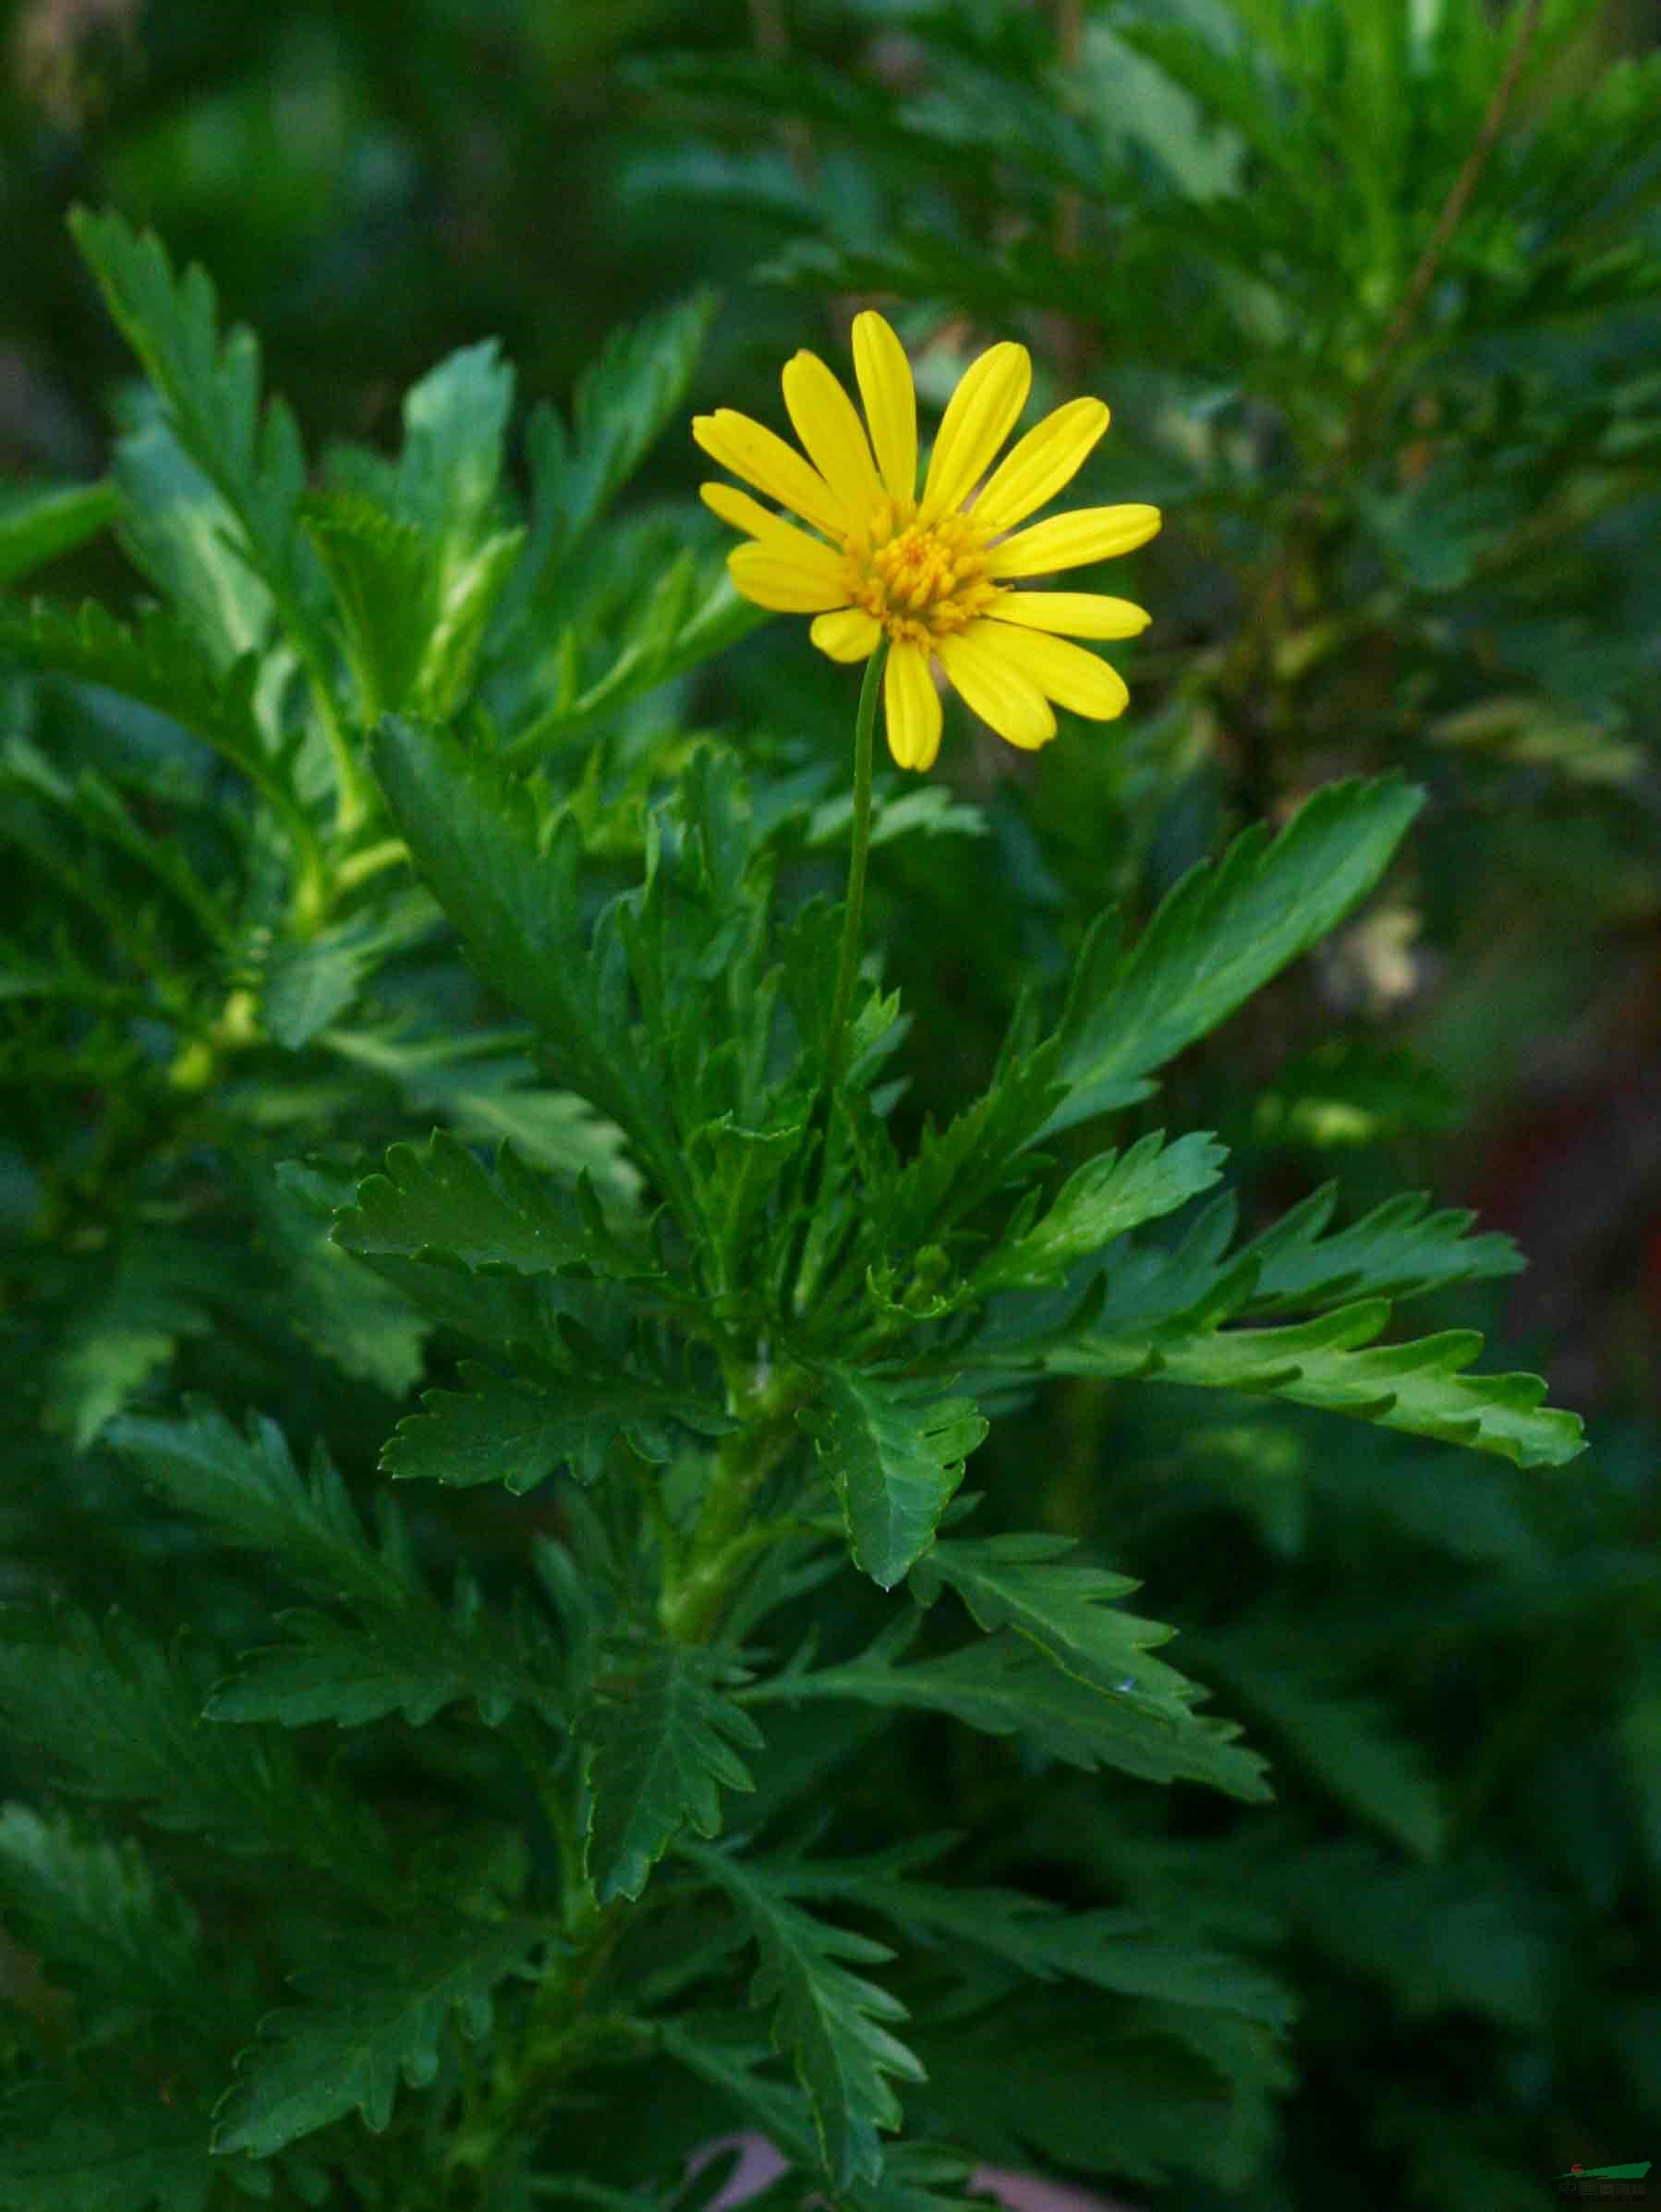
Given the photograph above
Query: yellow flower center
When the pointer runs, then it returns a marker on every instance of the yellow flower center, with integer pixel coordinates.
(920, 582)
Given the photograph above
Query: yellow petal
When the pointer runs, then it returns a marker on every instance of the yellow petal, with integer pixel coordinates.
(850, 634)
(1050, 456)
(1065, 672)
(891, 402)
(738, 508)
(995, 687)
(980, 417)
(1070, 613)
(1070, 541)
(787, 581)
(911, 707)
(828, 426)
(752, 451)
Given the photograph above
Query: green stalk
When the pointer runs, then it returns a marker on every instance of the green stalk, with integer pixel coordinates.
(853, 917)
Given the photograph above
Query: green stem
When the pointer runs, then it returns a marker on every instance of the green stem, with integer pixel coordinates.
(854, 915)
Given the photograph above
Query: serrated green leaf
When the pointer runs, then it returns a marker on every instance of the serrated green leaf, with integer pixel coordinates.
(1133, 2090)
(1348, 1742)
(1029, 1585)
(121, 1719)
(344, 1311)
(1102, 1200)
(437, 1199)
(1397, 1251)
(622, 405)
(209, 388)
(380, 574)
(1217, 938)
(127, 2149)
(485, 1085)
(179, 532)
(474, 836)
(41, 521)
(147, 1297)
(158, 662)
(519, 1431)
(333, 1670)
(406, 1654)
(957, 1168)
(102, 810)
(1417, 1387)
(830, 2020)
(98, 1916)
(381, 2009)
(1097, 1947)
(691, 613)
(1004, 1686)
(307, 982)
(662, 1737)
(455, 428)
(893, 1451)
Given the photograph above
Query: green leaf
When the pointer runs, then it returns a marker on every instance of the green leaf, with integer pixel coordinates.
(661, 1735)
(43, 521)
(1101, 1201)
(1218, 937)
(894, 1451)
(437, 1201)
(380, 2011)
(454, 429)
(63, 2149)
(98, 1917)
(1108, 1950)
(307, 982)
(484, 1085)
(121, 1719)
(691, 613)
(407, 1653)
(414, 620)
(1397, 1251)
(380, 572)
(1026, 1584)
(975, 1157)
(158, 664)
(1348, 1742)
(1134, 2090)
(146, 1298)
(830, 2020)
(179, 532)
(210, 390)
(1004, 1686)
(103, 811)
(346, 1313)
(1417, 1387)
(519, 1431)
(474, 836)
(622, 405)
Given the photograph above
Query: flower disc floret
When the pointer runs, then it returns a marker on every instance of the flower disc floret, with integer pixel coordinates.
(929, 572)
(918, 581)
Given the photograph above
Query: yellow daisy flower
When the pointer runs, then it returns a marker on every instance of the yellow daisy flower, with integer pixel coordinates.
(931, 574)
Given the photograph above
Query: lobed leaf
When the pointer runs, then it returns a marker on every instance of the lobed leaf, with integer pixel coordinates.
(663, 1740)
(830, 2020)
(379, 2012)
(1217, 938)
(893, 1451)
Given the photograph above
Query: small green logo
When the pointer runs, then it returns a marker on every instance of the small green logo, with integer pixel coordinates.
(1606, 2173)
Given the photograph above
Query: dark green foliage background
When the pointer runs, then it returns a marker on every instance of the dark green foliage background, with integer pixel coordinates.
(1425, 546)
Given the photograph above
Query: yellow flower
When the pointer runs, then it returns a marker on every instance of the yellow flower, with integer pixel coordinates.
(931, 574)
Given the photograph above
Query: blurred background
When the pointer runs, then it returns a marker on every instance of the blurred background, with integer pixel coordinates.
(1374, 288)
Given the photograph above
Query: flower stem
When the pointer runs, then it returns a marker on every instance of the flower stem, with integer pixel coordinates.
(853, 917)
